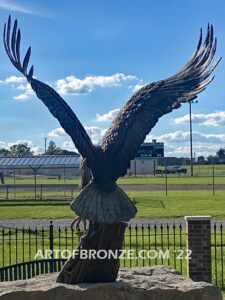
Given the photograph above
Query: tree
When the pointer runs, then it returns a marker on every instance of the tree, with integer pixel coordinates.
(201, 159)
(4, 152)
(19, 150)
(221, 153)
(53, 149)
(210, 159)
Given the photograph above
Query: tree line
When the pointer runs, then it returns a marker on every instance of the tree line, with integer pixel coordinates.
(23, 150)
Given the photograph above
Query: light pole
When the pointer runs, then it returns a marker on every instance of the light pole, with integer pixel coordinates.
(191, 144)
(45, 144)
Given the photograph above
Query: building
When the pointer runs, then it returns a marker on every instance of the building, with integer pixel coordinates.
(153, 149)
(142, 166)
(47, 165)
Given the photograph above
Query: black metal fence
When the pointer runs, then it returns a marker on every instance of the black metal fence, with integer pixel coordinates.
(27, 252)
(145, 245)
(37, 191)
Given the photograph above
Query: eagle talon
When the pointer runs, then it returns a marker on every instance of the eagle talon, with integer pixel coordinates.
(76, 222)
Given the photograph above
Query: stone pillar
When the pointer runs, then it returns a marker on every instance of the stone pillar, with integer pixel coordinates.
(199, 242)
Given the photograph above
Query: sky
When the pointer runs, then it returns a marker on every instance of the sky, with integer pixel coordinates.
(96, 54)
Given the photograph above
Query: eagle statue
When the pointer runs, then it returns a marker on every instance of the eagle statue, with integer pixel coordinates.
(102, 200)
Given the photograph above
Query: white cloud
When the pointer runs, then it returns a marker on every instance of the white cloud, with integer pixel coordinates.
(35, 149)
(13, 79)
(137, 87)
(213, 119)
(69, 145)
(27, 92)
(13, 6)
(184, 136)
(19, 83)
(69, 85)
(3, 144)
(74, 85)
(96, 133)
(24, 142)
(199, 149)
(109, 116)
(178, 143)
(57, 132)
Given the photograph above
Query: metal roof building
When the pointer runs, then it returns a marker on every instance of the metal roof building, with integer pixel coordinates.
(50, 166)
(40, 161)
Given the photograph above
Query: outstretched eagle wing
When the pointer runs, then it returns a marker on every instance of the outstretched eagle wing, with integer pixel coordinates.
(56, 105)
(140, 114)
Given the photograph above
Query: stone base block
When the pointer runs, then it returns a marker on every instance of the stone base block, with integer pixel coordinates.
(149, 283)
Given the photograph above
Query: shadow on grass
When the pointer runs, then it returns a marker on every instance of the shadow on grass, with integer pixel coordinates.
(154, 203)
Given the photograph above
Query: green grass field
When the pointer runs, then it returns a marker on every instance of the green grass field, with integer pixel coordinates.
(149, 204)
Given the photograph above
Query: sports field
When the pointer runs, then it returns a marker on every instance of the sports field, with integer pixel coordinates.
(149, 204)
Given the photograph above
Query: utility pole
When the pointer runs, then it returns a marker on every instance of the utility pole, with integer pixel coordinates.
(191, 143)
(45, 144)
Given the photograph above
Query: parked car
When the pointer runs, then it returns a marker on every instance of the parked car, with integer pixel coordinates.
(175, 169)
(172, 170)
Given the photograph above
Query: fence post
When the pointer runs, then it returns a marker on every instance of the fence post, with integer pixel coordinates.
(199, 242)
(51, 239)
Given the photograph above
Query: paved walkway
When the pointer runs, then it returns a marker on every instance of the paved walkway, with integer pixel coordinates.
(33, 223)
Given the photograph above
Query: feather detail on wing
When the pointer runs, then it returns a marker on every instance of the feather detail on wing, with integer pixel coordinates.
(140, 114)
(56, 105)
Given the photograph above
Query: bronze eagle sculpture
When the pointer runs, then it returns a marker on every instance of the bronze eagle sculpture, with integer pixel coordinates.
(102, 200)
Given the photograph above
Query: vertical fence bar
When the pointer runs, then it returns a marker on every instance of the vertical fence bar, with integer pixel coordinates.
(16, 240)
(36, 241)
(10, 246)
(180, 242)
(149, 244)
(155, 235)
(51, 245)
(51, 239)
(162, 245)
(66, 240)
(43, 240)
(29, 245)
(23, 242)
(221, 253)
(3, 247)
(168, 242)
(143, 243)
(174, 246)
(215, 251)
(59, 231)
(130, 244)
(136, 244)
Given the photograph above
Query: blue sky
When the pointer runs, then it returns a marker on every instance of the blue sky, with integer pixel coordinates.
(96, 53)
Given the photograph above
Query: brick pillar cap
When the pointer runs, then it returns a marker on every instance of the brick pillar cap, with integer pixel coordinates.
(197, 218)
